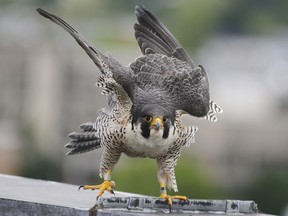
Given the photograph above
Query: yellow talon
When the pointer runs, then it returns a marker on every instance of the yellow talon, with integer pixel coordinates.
(170, 198)
(105, 186)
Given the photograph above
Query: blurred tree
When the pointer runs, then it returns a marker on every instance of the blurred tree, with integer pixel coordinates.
(194, 21)
(246, 17)
(43, 2)
(269, 191)
(140, 176)
(36, 163)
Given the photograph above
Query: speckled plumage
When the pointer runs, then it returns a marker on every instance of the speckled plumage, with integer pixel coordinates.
(164, 83)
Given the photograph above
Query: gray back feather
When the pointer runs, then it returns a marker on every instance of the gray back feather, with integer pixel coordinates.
(171, 82)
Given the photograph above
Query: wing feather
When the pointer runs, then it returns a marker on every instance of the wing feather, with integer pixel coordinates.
(93, 53)
(170, 70)
(157, 37)
(116, 78)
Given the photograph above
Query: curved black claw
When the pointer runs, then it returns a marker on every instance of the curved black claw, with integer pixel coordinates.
(187, 201)
(81, 186)
(112, 192)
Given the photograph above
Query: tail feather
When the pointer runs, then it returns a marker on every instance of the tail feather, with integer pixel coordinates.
(79, 147)
(83, 141)
(79, 143)
(83, 135)
(88, 126)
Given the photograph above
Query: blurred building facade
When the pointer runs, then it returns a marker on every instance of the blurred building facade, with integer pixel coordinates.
(47, 87)
(249, 78)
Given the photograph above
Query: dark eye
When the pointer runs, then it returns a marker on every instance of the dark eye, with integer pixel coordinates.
(148, 118)
(164, 119)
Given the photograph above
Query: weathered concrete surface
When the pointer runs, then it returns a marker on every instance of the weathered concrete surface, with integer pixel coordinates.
(156, 205)
(23, 196)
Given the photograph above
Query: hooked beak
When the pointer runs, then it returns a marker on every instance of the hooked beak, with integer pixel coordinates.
(157, 123)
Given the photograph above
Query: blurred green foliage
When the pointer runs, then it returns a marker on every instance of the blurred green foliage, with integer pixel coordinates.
(256, 17)
(36, 164)
(139, 175)
(192, 22)
(269, 191)
(195, 21)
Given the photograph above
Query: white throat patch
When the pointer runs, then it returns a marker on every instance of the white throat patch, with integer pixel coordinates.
(153, 145)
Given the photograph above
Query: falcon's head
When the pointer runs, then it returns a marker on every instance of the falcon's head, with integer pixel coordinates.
(153, 120)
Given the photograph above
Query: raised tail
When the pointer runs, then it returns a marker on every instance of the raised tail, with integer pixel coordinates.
(83, 141)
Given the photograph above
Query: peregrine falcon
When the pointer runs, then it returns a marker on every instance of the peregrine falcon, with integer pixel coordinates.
(146, 101)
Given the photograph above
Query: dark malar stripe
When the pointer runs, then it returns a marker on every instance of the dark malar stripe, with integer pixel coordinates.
(145, 128)
(166, 131)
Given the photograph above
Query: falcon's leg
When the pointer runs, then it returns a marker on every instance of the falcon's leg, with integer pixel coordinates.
(108, 160)
(166, 178)
(169, 198)
(105, 186)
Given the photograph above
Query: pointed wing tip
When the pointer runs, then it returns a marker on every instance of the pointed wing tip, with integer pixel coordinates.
(139, 7)
(137, 10)
(140, 10)
(39, 10)
(43, 12)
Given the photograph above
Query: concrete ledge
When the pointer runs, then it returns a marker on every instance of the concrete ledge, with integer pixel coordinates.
(156, 205)
(17, 207)
(23, 196)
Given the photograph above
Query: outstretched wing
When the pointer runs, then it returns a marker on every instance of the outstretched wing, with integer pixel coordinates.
(93, 53)
(186, 83)
(153, 37)
(115, 78)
